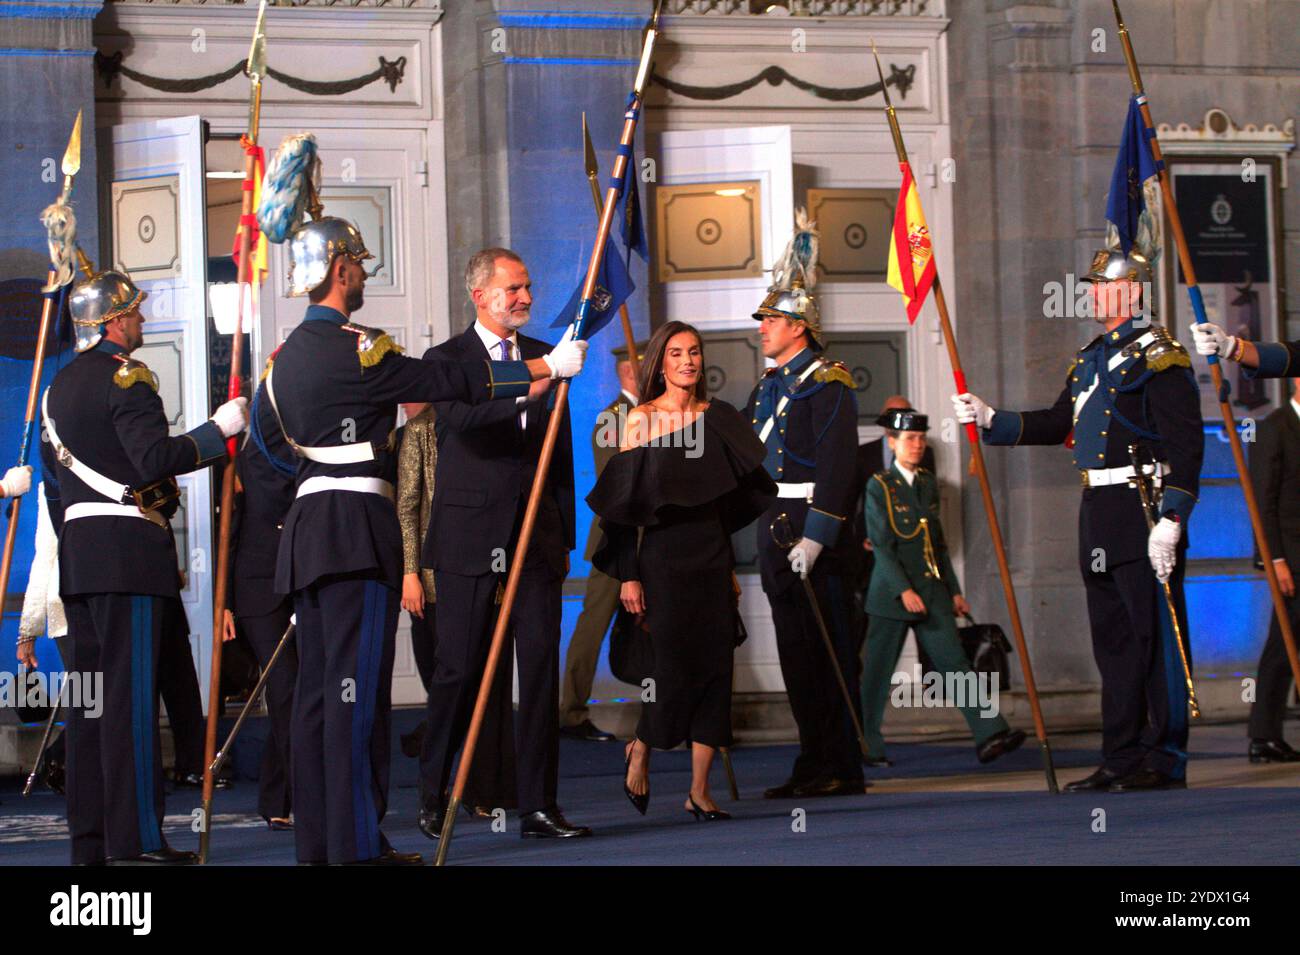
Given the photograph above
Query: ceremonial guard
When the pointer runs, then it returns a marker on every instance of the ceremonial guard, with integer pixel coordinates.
(913, 586)
(265, 472)
(1130, 401)
(110, 463)
(335, 386)
(805, 413)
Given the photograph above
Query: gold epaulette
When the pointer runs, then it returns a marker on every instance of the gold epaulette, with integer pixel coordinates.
(834, 371)
(373, 344)
(270, 361)
(1165, 351)
(132, 372)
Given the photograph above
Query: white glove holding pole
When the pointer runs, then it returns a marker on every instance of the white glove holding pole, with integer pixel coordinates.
(17, 481)
(803, 555)
(1210, 339)
(1162, 547)
(566, 358)
(232, 417)
(972, 408)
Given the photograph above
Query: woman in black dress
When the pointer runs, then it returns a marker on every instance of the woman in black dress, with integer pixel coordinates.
(689, 475)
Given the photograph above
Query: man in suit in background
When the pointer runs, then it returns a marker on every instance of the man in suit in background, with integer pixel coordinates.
(1275, 470)
(601, 599)
(487, 461)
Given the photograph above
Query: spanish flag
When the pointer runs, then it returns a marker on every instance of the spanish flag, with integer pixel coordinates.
(257, 239)
(911, 257)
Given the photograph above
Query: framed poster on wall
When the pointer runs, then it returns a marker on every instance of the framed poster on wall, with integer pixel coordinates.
(1230, 215)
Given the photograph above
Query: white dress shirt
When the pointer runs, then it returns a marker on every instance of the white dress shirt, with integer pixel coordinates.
(492, 342)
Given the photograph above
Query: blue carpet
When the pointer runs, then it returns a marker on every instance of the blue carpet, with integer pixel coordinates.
(1192, 827)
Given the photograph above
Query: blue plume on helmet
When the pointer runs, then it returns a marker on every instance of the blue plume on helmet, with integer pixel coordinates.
(291, 178)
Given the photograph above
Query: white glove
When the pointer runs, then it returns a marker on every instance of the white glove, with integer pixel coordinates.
(565, 359)
(1210, 339)
(17, 481)
(803, 555)
(970, 408)
(1162, 547)
(232, 417)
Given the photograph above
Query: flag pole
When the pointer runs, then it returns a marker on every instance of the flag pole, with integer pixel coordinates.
(977, 455)
(630, 118)
(1216, 369)
(71, 166)
(593, 179)
(256, 69)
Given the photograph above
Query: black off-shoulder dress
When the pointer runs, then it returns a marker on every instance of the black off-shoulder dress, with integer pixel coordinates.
(690, 490)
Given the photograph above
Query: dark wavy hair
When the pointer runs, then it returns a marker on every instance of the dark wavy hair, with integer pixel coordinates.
(650, 380)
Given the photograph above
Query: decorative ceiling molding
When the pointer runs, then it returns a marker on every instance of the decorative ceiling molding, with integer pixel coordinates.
(426, 4)
(811, 8)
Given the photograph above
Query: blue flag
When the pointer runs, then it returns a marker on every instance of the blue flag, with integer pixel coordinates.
(1133, 166)
(613, 287)
(631, 224)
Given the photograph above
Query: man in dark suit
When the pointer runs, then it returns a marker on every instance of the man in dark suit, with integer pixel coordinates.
(265, 470)
(1275, 470)
(487, 459)
(601, 599)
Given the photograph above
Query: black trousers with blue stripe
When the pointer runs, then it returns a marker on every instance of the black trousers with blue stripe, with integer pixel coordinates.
(115, 783)
(339, 743)
(1143, 688)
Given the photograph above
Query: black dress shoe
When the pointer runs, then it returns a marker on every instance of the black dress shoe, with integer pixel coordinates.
(783, 791)
(391, 856)
(1272, 751)
(549, 824)
(999, 744)
(587, 730)
(1098, 782)
(877, 762)
(279, 823)
(830, 786)
(195, 781)
(1144, 779)
(706, 815)
(164, 856)
(430, 821)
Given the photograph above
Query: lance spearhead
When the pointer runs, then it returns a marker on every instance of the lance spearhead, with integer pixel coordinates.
(71, 159)
(897, 133)
(256, 69)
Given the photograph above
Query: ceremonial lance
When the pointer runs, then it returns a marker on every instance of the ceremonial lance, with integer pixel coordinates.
(256, 69)
(1216, 371)
(977, 452)
(60, 225)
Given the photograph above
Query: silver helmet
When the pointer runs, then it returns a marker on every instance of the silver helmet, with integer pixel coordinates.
(1112, 265)
(794, 275)
(98, 298)
(314, 246)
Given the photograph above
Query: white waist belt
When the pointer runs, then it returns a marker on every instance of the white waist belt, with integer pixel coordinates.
(1102, 477)
(362, 485)
(804, 491)
(94, 509)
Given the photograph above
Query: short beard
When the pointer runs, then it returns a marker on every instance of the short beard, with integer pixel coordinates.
(354, 299)
(515, 320)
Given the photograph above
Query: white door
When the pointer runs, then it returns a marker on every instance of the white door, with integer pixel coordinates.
(738, 157)
(381, 184)
(153, 182)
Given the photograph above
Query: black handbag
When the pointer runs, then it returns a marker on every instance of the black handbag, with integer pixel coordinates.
(988, 650)
(631, 654)
(34, 692)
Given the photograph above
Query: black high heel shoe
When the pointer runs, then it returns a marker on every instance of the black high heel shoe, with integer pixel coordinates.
(641, 801)
(708, 815)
